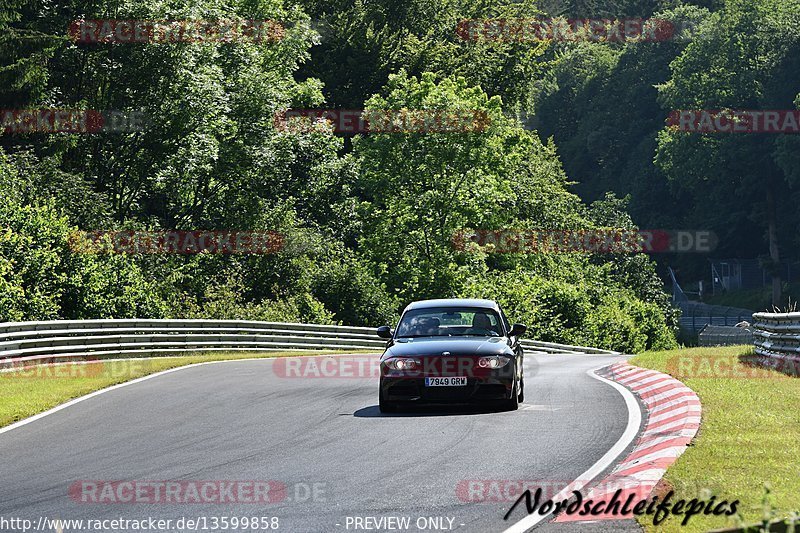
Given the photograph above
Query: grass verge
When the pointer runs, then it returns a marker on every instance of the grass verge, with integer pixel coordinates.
(28, 392)
(749, 437)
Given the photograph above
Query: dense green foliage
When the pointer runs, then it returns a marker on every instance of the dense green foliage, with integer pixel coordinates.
(606, 107)
(369, 219)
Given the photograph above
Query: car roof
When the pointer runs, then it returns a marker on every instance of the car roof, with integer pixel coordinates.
(454, 302)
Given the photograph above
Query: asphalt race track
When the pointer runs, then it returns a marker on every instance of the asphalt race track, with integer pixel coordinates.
(322, 438)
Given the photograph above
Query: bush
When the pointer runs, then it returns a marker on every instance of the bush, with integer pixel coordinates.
(610, 327)
(224, 301)
(354, 295)
(553, 310)
(557, 310)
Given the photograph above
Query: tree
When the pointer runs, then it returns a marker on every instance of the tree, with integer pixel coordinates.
(747, 59)
(363, 42)
(421, 188)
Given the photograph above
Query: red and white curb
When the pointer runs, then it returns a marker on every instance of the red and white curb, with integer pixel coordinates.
(673, 418)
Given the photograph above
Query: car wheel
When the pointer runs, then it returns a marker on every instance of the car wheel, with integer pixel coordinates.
(386, 406)
(521, 397)
(513, 403)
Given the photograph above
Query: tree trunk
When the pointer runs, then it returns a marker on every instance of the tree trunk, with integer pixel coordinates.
(772, 235)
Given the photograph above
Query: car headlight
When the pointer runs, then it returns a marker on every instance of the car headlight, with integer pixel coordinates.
(495, 361)
(402, 364)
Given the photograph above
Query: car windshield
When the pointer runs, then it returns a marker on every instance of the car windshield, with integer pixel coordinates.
(450, 321)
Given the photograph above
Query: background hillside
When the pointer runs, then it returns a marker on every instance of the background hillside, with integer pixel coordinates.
(577, 140)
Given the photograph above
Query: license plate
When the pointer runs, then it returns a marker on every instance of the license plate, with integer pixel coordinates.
(456, 381)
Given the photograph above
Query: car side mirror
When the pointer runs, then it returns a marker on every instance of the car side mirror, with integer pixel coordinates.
(517, 330)
(385, 332)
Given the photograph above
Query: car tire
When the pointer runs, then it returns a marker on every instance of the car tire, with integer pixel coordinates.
(513, 403)
(521, 397)
(386, 406)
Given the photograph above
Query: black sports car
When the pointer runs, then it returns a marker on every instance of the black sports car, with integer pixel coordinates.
(452, 351)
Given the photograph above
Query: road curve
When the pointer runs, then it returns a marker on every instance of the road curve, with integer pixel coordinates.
(242, 420)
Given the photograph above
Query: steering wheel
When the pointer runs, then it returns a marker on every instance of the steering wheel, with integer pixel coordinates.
(479, 331)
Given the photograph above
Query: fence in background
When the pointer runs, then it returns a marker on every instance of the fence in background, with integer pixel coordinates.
(696, 315)
(738, 274)
(33, 341)
(724, 336)
(777, 335)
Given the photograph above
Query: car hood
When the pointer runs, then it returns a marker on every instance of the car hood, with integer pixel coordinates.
(455, 345)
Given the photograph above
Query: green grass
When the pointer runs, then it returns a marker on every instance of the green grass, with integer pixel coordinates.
(26, 393)
(749, 436)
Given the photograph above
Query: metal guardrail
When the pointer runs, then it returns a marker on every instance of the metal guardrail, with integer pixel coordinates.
(65, 339)
(555, 348)
(777, 335)
(724, 336)
(697, 315)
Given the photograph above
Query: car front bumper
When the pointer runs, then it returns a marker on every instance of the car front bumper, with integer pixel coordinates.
(477, 390)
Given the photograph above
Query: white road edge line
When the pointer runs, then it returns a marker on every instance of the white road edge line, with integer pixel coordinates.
(632, 429)
(26, 421)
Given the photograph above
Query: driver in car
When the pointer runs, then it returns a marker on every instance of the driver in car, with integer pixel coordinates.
(482, 325)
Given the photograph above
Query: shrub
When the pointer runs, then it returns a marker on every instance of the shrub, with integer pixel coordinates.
(354, 295)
